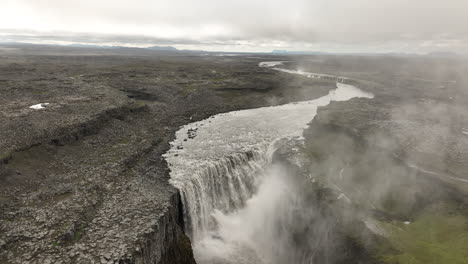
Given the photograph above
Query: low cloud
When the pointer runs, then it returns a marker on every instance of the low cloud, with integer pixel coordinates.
(296, 24)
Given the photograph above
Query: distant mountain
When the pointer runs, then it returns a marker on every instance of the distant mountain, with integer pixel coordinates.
(286, 52)
(162, 48)
(443, 54)
(106, 48)
(155, 48)
(279, 51)
(76, 45)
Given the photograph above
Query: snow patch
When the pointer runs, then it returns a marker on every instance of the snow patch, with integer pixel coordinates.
(266, 64)
(39, 106)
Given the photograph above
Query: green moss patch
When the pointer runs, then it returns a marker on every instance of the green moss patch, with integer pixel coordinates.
(438, 236)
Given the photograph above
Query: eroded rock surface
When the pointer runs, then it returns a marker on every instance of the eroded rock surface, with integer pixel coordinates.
(82, 180)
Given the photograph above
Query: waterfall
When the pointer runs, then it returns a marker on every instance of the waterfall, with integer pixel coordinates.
(220, 163)
(224, 186)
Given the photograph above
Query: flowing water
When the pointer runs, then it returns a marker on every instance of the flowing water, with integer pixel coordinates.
(237, 205)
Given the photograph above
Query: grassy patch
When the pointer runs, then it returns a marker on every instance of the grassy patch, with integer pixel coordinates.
(137, 104)
(124, 141)
(4, 157)
(78, 235)
(437, 236)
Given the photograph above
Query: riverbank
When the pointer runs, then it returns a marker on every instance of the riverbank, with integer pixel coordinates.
(356, 178)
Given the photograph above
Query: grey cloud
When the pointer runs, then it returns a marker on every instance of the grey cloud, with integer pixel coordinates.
(34, 36)
(358, 22)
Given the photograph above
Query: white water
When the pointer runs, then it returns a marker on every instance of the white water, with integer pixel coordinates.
(314, 75)
(271, 63)
(233, 199)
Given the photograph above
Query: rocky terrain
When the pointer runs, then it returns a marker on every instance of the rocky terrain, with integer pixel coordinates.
(81, 177)
(397, 163)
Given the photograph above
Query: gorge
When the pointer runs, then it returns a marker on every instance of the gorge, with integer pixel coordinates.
(237, 204)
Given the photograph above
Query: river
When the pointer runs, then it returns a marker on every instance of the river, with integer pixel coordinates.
(233, 197)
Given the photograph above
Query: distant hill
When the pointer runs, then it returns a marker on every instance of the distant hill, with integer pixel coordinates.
(298, 52)
(279, 51)
(90, 46)
(155, 48)
(443, 54)
(162, 48)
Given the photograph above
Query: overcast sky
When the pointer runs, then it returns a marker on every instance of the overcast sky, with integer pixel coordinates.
(243, 25)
